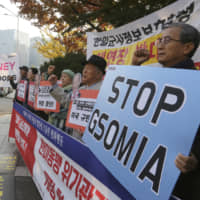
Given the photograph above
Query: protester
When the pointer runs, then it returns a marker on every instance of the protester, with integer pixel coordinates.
(176, 46)
(42, 76)
(49, 72)
(58, 119)
(32, 74)
(23, 76)
(92, 75)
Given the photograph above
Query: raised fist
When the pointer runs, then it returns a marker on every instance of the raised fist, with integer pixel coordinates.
(53, 79)
(140, 56)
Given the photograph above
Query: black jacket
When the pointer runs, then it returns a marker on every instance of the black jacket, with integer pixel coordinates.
(188, 184)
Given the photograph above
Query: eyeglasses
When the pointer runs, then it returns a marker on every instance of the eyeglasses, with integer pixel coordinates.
(165, 40)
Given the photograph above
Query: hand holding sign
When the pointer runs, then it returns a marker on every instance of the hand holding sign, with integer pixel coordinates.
(140, 56)
(186, 163)
(10, 78)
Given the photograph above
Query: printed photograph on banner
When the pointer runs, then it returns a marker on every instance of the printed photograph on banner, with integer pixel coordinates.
(44, 101)
(80, 109)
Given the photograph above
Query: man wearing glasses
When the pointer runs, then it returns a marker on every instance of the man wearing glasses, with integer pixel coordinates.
(175, 47)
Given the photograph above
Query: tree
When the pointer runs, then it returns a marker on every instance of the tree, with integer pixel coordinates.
(52, 46)
(87, 15)
(71, 61)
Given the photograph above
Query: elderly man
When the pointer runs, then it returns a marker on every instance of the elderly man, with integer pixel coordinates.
(175, 48)
(58, 119)
(92, 75)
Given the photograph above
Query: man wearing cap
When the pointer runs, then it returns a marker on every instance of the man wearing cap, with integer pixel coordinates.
(58, 119)
(92, 75)
(23, 76)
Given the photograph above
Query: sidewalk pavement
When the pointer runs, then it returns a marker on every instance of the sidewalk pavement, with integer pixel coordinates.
(13, 171)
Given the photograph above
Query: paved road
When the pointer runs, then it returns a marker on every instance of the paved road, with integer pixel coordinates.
(15, 180)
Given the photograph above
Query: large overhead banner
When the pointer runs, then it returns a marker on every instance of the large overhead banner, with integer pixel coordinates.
(117, 46)
(143, 118)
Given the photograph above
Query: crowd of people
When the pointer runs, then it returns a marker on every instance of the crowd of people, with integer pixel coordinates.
(175, 48)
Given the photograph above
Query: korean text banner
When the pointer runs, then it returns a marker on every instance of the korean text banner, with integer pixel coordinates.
(61, 167)
(140, 117)
(8, 67)
(80, 109)
(44, 100)
(117, 45)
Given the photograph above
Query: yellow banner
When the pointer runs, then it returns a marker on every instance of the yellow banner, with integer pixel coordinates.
(123, 55)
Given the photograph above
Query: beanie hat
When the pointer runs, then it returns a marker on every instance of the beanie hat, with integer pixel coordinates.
(69, 72)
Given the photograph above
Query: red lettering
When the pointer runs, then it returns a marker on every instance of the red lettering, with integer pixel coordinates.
(50, 185)
(100, 195)
(152, 47)
(1, 66)
(5, 66)
(67, 171)
(59, 194)
(12, 64)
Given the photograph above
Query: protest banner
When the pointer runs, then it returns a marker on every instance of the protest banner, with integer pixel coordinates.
(8, 67)
(22, 90)
(117, 45)
(62, 167)
(80, 109)
(31, 94)
(43, 100)
(140, 117)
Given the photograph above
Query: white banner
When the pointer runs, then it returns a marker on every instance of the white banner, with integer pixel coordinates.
(44, 100)
(122, 41)
(8, 67)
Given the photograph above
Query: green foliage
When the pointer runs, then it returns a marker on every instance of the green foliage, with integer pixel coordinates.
(71, 61)
(121, 12)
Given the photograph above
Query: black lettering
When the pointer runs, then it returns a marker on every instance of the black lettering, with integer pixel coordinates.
(144, 95)
(138, 154)
(130, 82)
(115, 89)
(110, 136)
(158, 158)
(98, 136)
(4, 78)
(168, 106)
(121, 149)
(93, 121)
